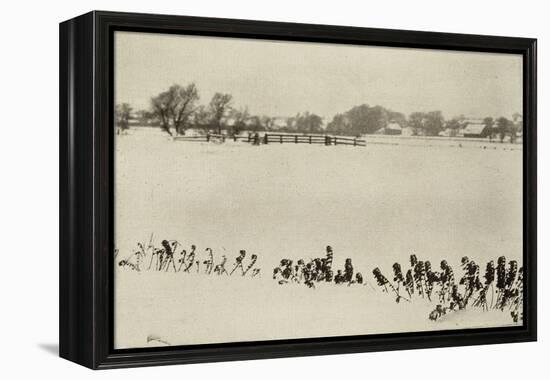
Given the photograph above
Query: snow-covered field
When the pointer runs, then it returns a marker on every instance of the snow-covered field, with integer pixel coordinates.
(376, 205)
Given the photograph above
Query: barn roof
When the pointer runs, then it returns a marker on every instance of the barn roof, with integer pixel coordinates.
(279, 122)
(474, 128)
(393, 125)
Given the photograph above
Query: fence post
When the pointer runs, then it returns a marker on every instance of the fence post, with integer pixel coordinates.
(266, 139)
(295, 139)
(355, 141)
(310, 139)
(281, 138)
(335, 140)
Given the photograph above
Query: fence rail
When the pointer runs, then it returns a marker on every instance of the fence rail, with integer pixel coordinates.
(201, 138)
(274, 138)
(280, 138)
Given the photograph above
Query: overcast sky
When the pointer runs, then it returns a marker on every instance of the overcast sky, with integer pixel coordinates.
(284, 78)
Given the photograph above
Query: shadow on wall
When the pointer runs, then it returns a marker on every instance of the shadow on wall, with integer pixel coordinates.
(52, 348)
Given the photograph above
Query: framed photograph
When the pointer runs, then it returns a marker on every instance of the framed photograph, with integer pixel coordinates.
(235, 189)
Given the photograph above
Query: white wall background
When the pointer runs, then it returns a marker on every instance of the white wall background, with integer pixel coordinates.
(29, 186)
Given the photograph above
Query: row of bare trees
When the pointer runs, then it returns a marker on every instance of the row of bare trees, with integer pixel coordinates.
(177, 109)
(365, 119)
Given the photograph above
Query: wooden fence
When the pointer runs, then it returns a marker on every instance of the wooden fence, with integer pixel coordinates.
(202, 138)
(278, 138)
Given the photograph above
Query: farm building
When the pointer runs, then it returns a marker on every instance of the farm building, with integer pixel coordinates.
(452, 132)
(392, 128)
(475, 130)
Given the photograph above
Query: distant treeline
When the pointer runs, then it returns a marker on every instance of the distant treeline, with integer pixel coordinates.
(177, 109)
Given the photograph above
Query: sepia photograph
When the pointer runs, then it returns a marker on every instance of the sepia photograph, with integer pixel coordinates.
(274, 190)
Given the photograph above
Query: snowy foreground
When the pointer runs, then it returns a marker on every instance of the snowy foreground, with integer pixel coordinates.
(376, 205)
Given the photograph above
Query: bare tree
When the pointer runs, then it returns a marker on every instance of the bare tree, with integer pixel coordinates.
(503, 127)
(489, 123)
(122, 116)
(185, 97)
(201, 118)
(309, 123)
(255, 124)
(363, 119)
(339, 125)
(160, 105)
(175, 106)
(433, 123)
(219, 106)
(453, 125)
(428, 123)
(240, 119)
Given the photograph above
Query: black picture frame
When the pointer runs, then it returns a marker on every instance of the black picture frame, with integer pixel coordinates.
(86, 189)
